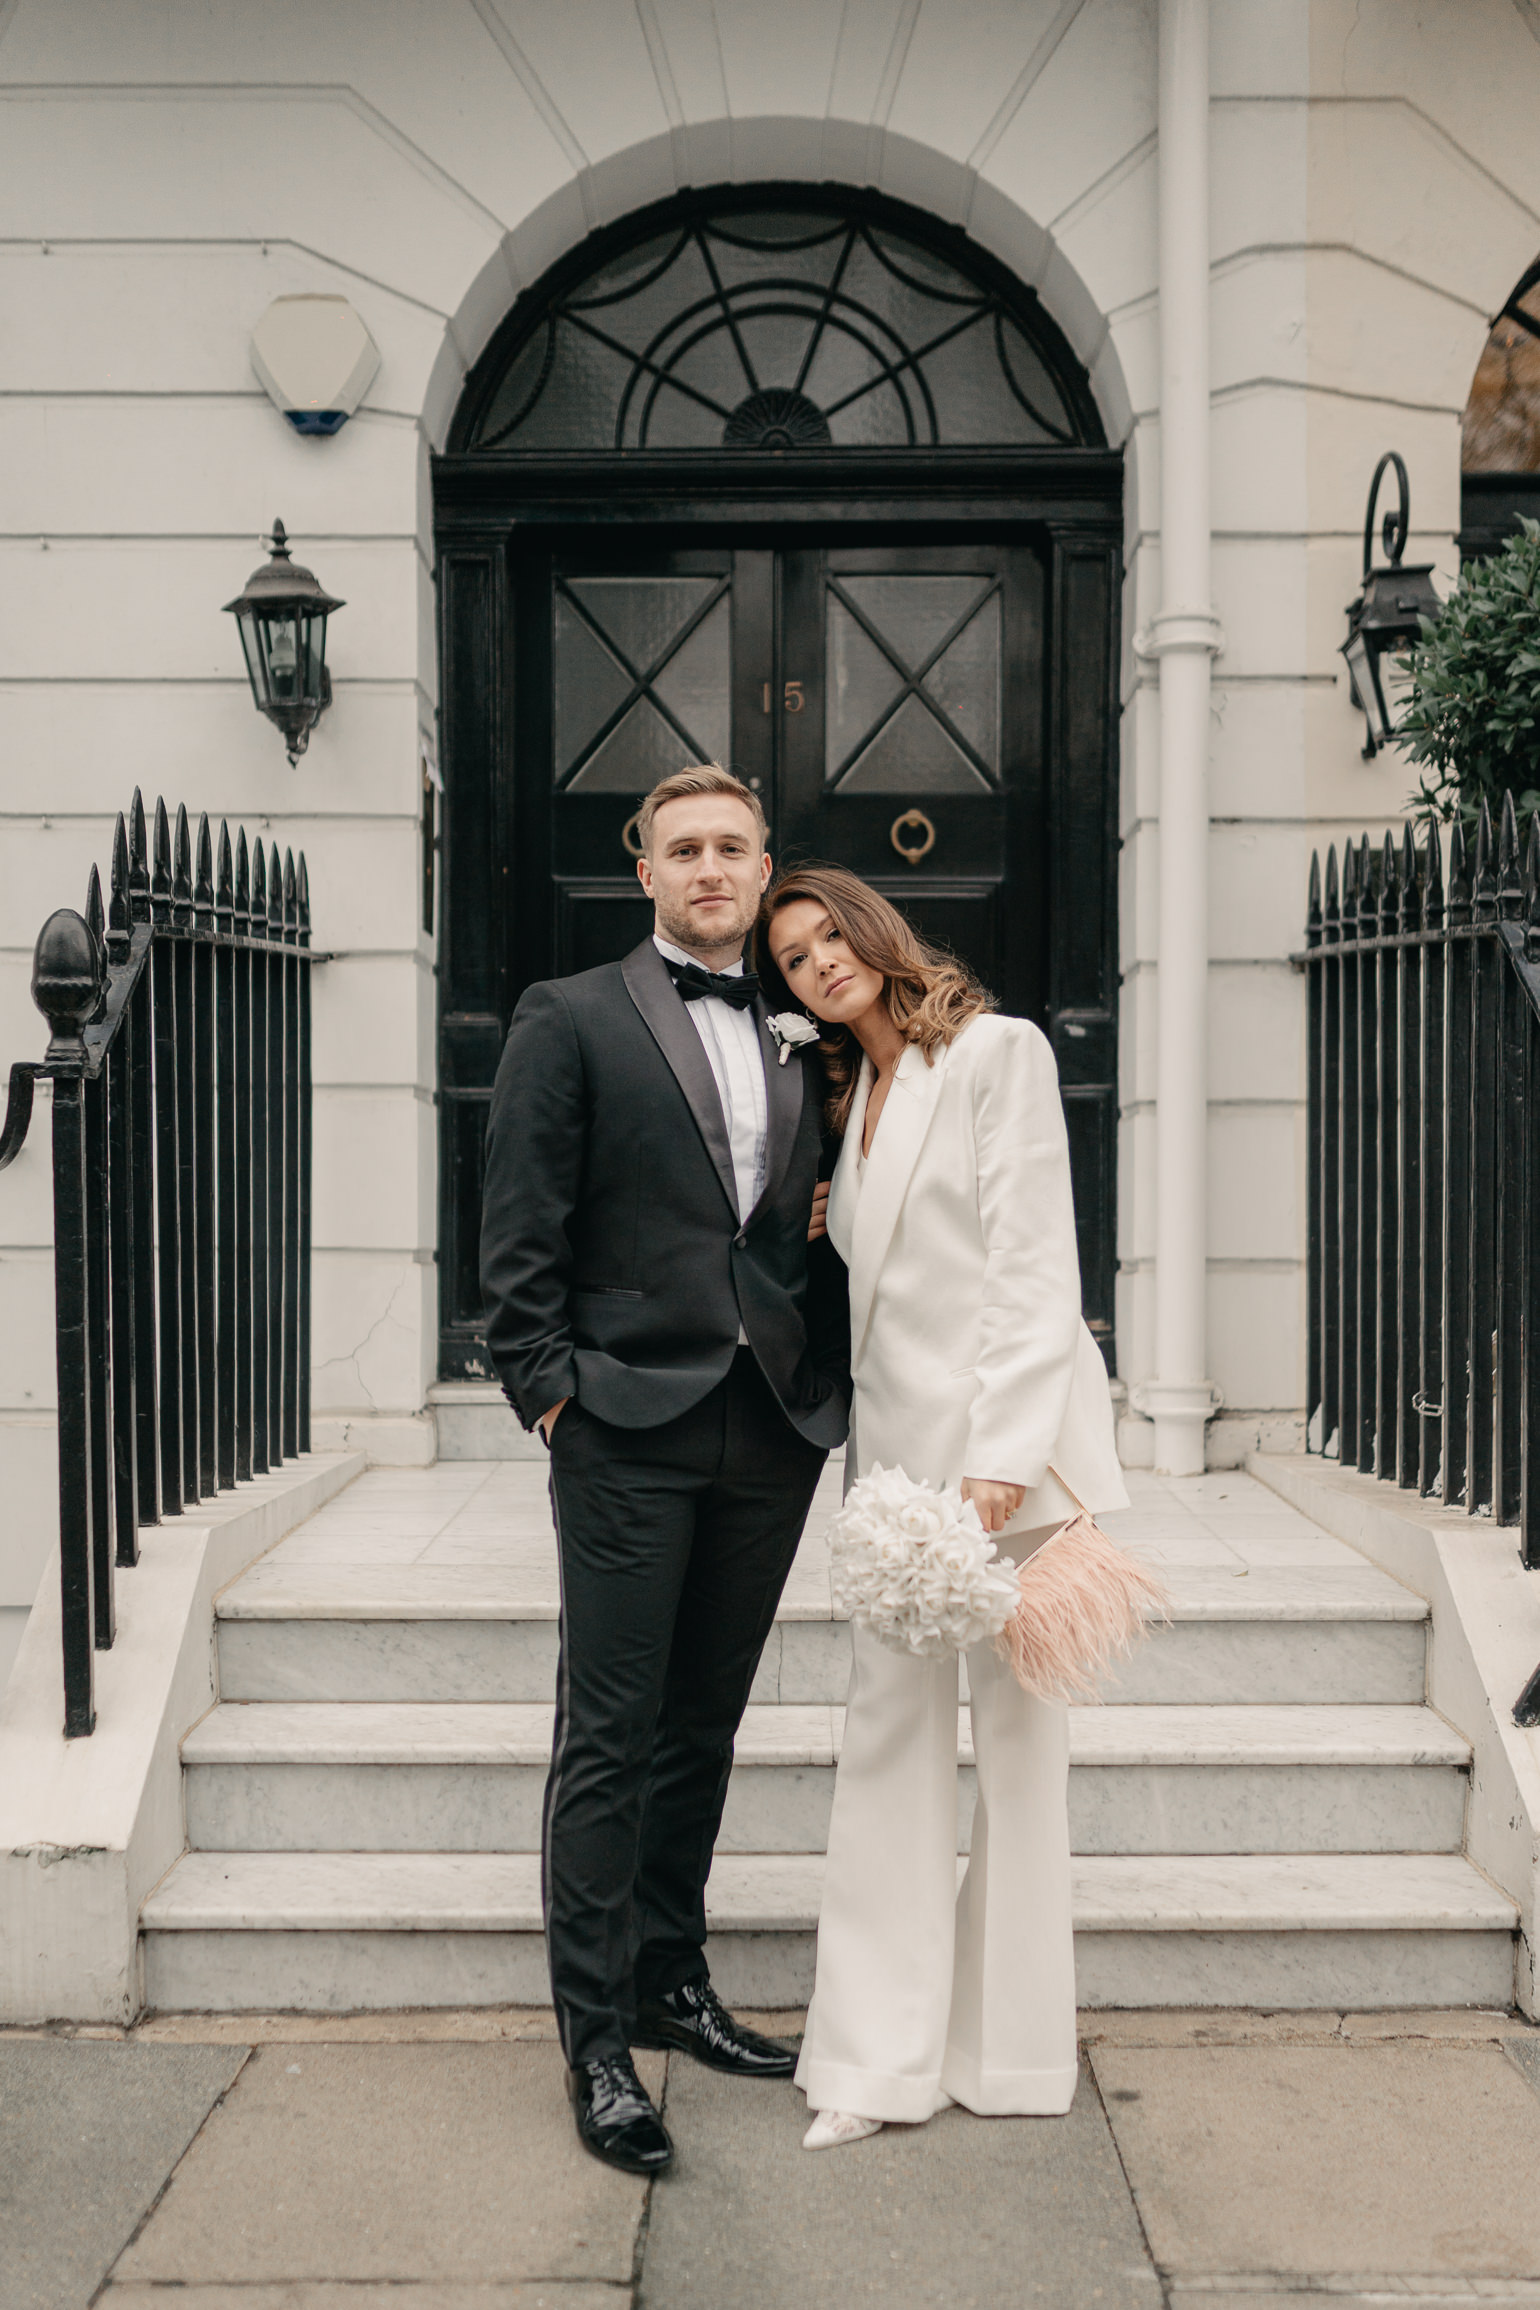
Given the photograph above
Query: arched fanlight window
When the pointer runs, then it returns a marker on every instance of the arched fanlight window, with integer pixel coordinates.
(1500, 434)
(778, 321)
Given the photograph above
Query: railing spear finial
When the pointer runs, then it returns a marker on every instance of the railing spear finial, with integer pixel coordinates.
(138, 862)
(160, 872)
(1459, 876)
(275, 896)
(1333, 900)
(302, 897)
(181, 874)
(203, 881)
(242, 885)
(1390, 887)
(258, 891)
(1532, 891)
(1411, 894)
(290, 902)
(119, 918)
(224, 884)
(1510, 879)
(1484, 881)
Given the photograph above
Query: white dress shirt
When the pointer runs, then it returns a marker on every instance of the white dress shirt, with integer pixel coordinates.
(732, 1044)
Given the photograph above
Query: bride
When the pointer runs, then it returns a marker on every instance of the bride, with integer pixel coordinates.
(950, 1204)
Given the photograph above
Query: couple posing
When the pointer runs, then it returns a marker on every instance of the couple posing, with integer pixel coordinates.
(666, 1293)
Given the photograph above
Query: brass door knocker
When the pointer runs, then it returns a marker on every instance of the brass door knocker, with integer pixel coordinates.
(629, 836)
(910, 823)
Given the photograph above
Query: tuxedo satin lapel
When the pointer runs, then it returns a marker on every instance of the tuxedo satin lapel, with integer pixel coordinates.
(785, 1091)
(901, 1129)
(656, 997)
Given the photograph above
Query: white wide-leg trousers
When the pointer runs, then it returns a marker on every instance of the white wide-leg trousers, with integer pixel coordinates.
(926, 1993)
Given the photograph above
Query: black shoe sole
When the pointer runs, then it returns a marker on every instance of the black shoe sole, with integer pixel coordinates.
(659, 2040)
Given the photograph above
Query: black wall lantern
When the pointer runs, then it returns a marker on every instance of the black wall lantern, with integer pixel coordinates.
(282, 618)
(1387, 616)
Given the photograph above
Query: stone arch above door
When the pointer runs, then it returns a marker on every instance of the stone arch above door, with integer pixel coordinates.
(793, 151)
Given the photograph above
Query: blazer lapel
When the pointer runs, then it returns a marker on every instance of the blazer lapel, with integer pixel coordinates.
(784, 1094)
(901, 1129)
(656, 997)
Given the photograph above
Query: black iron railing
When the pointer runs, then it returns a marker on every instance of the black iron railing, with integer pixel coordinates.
(1423, 965)
(179, 1061)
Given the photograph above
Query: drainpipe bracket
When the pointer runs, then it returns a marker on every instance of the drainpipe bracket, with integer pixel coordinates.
(1184, 630)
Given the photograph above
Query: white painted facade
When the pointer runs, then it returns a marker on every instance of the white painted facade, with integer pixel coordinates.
(166, 170)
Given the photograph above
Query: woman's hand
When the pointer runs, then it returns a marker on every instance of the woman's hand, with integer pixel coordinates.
(818, 1224)
(994, 1504)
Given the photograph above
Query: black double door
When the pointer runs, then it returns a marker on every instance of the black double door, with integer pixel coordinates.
(901, 705)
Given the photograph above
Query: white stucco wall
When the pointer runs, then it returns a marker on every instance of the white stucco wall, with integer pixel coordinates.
(167, 169)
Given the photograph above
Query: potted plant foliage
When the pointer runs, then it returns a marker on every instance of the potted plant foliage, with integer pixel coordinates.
(1471, 713)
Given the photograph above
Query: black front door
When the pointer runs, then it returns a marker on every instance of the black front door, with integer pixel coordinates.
(885, 703)
(891, 702)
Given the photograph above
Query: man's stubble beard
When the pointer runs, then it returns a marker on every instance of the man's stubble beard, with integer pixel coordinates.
(679, 930)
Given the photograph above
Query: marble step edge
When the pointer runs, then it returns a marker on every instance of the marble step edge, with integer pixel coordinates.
(778, 1893)
(512, 1733)
(369, 1592)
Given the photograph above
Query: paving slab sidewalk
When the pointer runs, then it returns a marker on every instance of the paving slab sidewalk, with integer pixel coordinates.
(1365, 2170)
(88, 2134)
(960, 2214)
(445, 2165)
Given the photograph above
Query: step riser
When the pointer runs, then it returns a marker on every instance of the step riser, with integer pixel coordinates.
(204, 1972)
(806, 1663)
(495, 1808)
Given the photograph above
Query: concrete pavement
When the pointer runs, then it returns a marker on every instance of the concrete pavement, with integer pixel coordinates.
(425, 2161)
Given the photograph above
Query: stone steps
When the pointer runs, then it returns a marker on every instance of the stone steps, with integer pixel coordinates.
(1267, 1813)
(479, 1632)
(374, 1776)
(338, 1931)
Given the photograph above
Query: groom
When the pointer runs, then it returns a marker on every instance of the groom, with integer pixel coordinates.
(654, 1306)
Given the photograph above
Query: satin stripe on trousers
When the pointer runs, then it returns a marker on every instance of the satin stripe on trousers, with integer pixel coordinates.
(674, 1544)
(926, 1993)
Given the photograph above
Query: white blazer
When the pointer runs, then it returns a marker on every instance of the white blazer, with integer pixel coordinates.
(968, 1350)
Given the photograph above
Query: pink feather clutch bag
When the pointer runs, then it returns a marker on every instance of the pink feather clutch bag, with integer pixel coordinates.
(1082, 1603)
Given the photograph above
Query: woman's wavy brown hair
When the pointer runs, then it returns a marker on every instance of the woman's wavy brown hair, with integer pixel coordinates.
(930, 995)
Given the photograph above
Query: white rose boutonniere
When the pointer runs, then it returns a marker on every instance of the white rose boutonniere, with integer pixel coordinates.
(792, 1031)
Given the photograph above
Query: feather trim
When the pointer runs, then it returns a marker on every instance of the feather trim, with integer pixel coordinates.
(1083, 1603)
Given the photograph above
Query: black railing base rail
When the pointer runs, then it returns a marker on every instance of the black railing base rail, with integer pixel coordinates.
(179, 1063)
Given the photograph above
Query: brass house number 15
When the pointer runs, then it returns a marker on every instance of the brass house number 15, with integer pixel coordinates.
(792, 700)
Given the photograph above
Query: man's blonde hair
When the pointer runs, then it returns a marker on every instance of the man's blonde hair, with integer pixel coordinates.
(701, 778)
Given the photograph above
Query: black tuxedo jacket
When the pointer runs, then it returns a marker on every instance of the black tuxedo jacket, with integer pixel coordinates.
(614, 1264)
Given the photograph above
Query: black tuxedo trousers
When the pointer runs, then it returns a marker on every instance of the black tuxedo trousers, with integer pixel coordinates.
(675, 1544)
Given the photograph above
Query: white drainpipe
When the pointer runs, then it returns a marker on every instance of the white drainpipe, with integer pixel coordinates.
(1184, 637)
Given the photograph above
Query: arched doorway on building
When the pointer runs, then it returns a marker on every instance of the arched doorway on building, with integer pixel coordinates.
(800, 480)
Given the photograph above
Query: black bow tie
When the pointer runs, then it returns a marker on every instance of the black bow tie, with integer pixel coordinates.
(694, 983)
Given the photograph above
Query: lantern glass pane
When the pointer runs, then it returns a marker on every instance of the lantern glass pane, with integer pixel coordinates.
(1357, 657)
(251, 651)
(284, 660)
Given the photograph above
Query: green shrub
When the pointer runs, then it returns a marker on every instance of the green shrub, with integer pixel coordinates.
(1471, 717)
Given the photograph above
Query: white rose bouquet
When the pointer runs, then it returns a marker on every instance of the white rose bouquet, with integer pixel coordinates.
(916, 1567)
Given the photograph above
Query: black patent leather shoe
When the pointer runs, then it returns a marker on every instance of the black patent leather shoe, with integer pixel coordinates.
(694, 2020)
(615, 2118)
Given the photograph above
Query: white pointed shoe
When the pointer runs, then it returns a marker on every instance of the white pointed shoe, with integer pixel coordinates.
(830, 2127)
